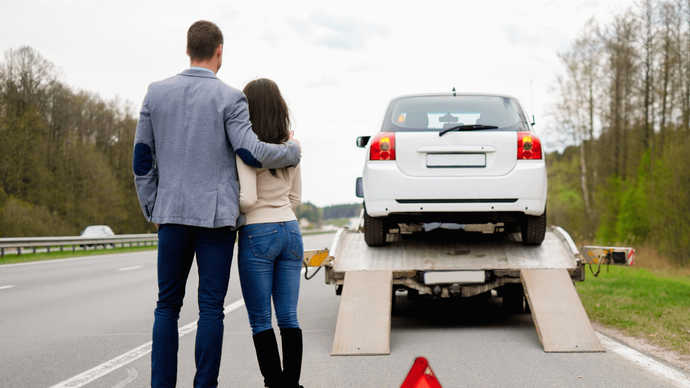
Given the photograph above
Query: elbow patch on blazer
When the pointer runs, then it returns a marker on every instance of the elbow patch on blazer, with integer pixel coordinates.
(248, 158)
(143, 159)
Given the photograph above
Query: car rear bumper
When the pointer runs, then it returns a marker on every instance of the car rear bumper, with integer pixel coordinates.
(388, 190)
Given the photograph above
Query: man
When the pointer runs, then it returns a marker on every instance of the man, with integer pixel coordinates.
(190, 128)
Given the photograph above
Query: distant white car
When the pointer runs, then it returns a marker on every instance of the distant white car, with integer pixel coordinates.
(454, 158)
(97, 231)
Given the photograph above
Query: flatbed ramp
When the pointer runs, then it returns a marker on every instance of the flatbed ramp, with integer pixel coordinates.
(364, 318)
(561, 320)
(368, 275)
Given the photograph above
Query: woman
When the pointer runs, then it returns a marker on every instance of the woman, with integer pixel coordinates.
(270, 243)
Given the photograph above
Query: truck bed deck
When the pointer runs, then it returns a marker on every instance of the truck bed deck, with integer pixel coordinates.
(447, 264)
(465, 251)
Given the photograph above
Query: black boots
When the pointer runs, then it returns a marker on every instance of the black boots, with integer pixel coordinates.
(292, 357)
(269, 360)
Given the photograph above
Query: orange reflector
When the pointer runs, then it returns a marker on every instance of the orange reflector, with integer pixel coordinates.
(421, 376)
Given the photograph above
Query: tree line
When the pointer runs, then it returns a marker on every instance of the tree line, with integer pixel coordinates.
(348, 210)
(65, 155)
(316, 215)
(623, 106)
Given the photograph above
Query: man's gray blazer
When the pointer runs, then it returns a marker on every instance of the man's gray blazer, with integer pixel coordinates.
(190, 128)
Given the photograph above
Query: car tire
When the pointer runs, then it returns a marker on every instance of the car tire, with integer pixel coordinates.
(533, 229)
(513, 299)
(394, 304)
(514, 304)
(374, 231)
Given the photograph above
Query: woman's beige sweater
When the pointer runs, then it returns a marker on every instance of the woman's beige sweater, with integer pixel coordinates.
(265, 198)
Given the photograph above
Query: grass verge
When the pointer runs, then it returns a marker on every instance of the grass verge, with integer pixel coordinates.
(654, 305)
(26, 257)
(339, 222)
(309, 232)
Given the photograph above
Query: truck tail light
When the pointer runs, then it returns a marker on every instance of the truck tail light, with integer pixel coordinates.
(529, 146)
(382, 146)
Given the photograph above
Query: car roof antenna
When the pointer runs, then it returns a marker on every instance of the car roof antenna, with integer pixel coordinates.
(453, 91)
(531, 92)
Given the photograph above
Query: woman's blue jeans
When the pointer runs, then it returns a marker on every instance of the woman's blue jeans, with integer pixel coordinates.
(177, 245)
(270, 265)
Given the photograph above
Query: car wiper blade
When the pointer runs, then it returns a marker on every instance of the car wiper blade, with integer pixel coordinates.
(471, 127)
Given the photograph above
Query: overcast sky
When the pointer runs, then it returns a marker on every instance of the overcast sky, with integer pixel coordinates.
(338, 64)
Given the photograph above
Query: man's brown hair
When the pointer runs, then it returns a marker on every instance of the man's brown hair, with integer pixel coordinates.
(203, 38)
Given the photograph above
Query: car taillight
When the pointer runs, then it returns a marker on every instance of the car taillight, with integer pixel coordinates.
(382, 146)
(529, 146)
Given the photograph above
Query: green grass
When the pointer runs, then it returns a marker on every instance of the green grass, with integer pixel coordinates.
(307, 232)
(339, 222)
(56, 254)
(641, 303)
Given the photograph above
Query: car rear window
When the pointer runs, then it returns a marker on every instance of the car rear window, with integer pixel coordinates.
(434, 113)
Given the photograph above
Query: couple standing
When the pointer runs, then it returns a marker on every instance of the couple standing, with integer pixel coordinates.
(194, 141)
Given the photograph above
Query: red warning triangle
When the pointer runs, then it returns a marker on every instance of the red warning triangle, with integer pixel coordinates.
(421, 376)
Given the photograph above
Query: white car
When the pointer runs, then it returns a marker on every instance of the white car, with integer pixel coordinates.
(454, 157)
(97, 231)
(94, 231)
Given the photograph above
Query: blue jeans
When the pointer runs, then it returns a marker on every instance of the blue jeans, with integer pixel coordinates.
(270, 265)
(177, 245)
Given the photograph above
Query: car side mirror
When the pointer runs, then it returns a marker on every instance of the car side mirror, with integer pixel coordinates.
(359, 188)
(362, 141)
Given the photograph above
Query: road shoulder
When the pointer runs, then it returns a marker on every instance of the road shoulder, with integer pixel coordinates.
(640, 344)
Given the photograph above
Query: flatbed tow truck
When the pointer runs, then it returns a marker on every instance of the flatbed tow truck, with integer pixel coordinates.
(482, 259)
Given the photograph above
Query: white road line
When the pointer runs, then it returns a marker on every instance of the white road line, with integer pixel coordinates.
(130, 268)
(5, 287)
(134, 354)
(676, 378)
(132, 375)
(58, 261)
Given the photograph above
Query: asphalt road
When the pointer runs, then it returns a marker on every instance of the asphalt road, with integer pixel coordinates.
(59, 319)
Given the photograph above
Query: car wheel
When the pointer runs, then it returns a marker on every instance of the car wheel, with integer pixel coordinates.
(533, 229)
(394, 304)
(513, 299)
(374, 232)
(515, 304)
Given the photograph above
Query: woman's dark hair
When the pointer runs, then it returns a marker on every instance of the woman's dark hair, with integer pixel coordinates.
(268, 113)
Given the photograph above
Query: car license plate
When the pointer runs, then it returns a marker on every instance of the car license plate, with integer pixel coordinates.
(455, 160)
(451, 277)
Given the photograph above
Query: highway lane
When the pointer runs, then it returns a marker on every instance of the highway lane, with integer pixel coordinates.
(59, 318)
(64, 317)
(65, 314)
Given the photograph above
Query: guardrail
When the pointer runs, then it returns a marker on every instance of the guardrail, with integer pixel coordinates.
(74, 241)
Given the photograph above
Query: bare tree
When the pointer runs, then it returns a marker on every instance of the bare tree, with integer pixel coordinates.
(648, 42)
(621, 69)
(669, 62)
(576, 106)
